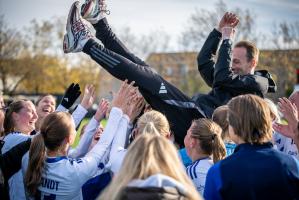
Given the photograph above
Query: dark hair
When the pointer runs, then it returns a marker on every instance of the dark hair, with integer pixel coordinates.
(251, 49)
(14, 107)
(54, 129)
(209, 135)
(41, 97)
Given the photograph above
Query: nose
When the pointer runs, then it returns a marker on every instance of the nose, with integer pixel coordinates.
(35, 116)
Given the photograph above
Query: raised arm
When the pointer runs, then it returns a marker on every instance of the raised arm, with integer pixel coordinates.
(70, 96)
(290, 112)
(223, 73)
(205, 58)
(87, 101)
(90, 130)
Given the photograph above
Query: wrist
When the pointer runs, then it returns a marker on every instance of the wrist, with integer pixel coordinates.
(85, 105)
(227, 33)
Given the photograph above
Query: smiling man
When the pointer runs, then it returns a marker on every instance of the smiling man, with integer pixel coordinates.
(233, 72)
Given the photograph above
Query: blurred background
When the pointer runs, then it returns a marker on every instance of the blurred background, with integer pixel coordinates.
(167, 34)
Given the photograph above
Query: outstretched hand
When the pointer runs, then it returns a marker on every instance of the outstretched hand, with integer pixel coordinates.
(102, 110)
(135, 107)
(71, 95)
(89, 96)
(124, 96)
(290, 112)
(228, 20)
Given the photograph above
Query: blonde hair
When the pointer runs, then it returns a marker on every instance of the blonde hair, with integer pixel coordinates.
(220, 117)
(250, 117)
(153, 122)
(149, 155)
(209, 135)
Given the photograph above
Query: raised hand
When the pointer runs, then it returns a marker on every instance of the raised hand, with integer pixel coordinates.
(102, 110)
(228, 20)
(135, 107)
(71, 95)
(124, 95)
(89, 96)
(290, 112)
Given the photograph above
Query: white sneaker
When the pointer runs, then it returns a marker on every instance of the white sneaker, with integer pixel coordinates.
(94, 10)
(77, 31)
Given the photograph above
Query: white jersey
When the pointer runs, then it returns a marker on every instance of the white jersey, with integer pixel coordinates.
(118, 151)
(197, 171)
(78, 114)
(285, 144)
(65, 176)
(16, 184)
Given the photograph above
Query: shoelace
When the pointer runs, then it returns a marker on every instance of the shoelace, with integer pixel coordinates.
(80, 29)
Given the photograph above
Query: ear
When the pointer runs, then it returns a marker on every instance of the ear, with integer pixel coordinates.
(70, 139)
(193, 142)
(253, 63)
(15, 116)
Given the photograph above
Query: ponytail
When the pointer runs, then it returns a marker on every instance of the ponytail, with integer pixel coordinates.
(218, 148)
(150, 129)
(209, 135)
(36, 164)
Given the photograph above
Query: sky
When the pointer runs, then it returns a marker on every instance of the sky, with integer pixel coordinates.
(144, 16)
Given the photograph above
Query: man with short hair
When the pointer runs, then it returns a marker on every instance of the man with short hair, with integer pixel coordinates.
(233, 73)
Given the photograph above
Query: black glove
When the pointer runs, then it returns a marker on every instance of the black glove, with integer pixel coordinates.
(70, 96)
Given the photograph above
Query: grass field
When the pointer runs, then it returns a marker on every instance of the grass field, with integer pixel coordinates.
(85, 121)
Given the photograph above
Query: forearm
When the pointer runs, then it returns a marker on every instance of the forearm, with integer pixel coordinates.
(223, 72)
(119, 140)
(85, 141)
(205, 58)
(79, 114)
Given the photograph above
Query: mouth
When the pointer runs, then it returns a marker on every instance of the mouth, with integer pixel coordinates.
(32, 123)
(47, 110)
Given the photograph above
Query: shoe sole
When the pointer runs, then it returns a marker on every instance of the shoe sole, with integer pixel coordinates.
(70, 37)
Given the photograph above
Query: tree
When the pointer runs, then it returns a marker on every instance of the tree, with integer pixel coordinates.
(285, 35)
(203, 21)
(143, 45)
(12, 46)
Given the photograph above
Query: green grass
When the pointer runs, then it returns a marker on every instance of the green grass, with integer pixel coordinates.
(84, 121)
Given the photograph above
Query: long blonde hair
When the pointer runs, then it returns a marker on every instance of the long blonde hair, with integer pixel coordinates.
(153, 122)
(148, 155)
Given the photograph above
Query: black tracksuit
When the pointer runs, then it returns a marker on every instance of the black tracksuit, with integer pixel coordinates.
(219, 76)
(179, 109)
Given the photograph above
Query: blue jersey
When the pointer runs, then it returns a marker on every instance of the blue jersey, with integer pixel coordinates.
(254, 171)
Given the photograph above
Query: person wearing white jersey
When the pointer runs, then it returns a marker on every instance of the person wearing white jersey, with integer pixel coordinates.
(205, 147)
(51, 174)
(19, 122)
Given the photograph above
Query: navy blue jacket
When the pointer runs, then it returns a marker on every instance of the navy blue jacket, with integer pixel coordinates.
(219, 76)
(254, 172)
